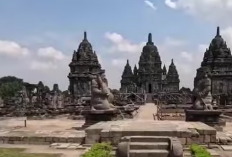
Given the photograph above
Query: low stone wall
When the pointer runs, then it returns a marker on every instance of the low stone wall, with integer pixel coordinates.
(112, 132)
(186, 139)
(39, 140)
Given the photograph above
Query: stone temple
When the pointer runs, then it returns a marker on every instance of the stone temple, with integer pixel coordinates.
(217, 62)
(84, 63)
(150, 77)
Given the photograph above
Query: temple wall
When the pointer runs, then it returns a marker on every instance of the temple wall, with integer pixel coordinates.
(81, 88)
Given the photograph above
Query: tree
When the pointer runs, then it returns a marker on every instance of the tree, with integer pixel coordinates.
(10, 86)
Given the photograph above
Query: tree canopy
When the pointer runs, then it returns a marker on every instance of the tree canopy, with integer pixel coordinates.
(10, 86)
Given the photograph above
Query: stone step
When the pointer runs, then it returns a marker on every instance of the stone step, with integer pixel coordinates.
(149, 145)
(148, 153)
(149, 139)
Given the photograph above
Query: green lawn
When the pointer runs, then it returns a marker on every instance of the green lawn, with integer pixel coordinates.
(17, 152)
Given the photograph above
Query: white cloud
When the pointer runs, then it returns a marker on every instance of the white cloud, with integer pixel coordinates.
(150, 4)
(50, 53)
(227, 35)
(119, 62)
(36, 65)
(121, 44)
(170, 4)
(44, 64)
(214, 10)
(174, 42)
(12, 49)
(186, 55)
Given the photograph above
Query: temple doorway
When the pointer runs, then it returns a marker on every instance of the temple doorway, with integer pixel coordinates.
(149, 88)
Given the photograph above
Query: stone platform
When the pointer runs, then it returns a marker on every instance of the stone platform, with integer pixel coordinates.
(94, 116)
(40, 132)
(187, 132)
(211, 118)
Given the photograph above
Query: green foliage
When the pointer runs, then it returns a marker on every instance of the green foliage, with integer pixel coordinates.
(99, 150)
(16, 152)
(199, 151)
(65, 93)
(9, 86)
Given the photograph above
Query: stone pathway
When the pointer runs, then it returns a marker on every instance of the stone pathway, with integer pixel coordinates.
(146, 112)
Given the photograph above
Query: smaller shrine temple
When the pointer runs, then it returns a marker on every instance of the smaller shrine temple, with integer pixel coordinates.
(217, 63)
(83, 65)
(150, 77)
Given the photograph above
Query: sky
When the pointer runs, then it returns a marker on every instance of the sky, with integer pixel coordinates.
(37, 38)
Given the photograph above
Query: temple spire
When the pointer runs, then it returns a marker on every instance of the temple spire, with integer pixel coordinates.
(172, 62)
(149, 38)
(218, 31)
(85, 35)
(127, 62)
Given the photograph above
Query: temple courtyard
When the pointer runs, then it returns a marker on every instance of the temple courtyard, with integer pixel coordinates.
(64, 136)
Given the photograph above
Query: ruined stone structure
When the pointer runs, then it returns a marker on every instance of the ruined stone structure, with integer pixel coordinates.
(149, 77)
(84, 63)
(217, 63)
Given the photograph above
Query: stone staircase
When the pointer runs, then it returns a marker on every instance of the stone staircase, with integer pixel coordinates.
(148, 146)
(149, 98)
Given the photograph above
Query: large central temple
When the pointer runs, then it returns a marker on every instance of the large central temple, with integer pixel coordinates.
(150, 77)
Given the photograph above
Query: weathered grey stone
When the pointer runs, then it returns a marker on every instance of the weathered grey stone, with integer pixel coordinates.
(226, 147)
(123, 149)
(92, 138)
(207, 138)
(213, 138)
(183, 141)
(176, 149)
(150, 63)
(63, 146)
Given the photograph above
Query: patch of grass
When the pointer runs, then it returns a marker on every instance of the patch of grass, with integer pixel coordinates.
(99, 150)
(18, 152)
(199, 151)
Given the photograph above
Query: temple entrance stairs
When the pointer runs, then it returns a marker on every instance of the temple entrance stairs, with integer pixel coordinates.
(149, 98)
(149, 146)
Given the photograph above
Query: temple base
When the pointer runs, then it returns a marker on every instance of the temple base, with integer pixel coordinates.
(95, 116)
(211, 118)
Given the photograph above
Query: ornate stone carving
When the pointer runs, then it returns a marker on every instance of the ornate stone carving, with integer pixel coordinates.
(150, 76)
(84, 62)
(101, 95)
(217, 62)
(202, 93)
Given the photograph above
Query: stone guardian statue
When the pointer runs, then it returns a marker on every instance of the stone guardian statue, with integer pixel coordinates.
(202, 93)
(100, 95)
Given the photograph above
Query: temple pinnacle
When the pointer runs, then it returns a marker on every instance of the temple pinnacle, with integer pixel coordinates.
(149, 38)
(127, 61)
(172, 62)
(85, 35)
(218, 31)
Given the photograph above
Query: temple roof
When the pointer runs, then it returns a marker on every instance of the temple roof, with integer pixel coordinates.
(135, 69)
(172, 69)
(150, 54)
(164, 69)
(85, 43)
(127, 70)
(218, 38)
(85, 51)
(150, 44)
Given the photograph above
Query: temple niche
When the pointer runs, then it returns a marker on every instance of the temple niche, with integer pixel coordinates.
(217, 62)
(84, 63)
(149, 77)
